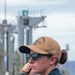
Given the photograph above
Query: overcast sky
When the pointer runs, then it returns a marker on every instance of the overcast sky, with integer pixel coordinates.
(60, 19)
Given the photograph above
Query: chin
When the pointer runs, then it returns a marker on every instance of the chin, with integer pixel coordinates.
(34, 71)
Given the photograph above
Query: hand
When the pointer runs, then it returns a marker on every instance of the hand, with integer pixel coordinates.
(26, 68)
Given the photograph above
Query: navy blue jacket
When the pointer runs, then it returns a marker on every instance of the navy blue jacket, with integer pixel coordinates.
(55, 72)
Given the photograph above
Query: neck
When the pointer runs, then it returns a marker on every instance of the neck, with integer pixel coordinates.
(48, 70)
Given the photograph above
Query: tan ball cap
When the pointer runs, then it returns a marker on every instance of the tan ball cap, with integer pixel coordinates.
(43, 45)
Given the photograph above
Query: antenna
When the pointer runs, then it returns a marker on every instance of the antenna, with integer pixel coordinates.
(4, 21)
(5, 9)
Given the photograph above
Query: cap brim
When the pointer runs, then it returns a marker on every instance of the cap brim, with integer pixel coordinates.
(24, 49)
(27, 49)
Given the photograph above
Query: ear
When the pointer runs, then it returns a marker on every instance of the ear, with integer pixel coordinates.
(53, 60)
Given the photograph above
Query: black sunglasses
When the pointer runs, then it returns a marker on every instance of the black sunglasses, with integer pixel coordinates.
(35, 56)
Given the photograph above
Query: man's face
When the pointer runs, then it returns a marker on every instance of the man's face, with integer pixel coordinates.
(40, 65)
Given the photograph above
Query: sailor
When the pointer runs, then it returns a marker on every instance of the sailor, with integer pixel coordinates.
(43, 56)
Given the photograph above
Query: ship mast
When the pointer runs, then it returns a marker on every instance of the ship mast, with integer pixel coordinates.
(5, 9)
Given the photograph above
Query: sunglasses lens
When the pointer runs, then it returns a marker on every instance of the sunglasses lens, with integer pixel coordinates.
(28, 56)
(34, 56)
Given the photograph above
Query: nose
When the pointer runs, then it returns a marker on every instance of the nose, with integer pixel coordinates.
(31, 60)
